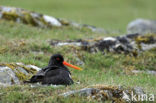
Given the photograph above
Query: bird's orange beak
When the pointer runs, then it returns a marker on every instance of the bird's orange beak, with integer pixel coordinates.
(70, 65)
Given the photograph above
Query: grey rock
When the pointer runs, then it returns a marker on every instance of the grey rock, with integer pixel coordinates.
(130, 43)
(126, 97)
(142, 26)
(81, 92)
(138, 90)
(52, 21)
(79, 62)
(12, 73)
(33, 67)
(40, 20)
(36, 85)
(145, 47)
(106, 93)
(151, 72)
(22, 70)
(7, 76)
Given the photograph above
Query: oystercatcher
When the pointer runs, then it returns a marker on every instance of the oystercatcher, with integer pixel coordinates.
(55, 73)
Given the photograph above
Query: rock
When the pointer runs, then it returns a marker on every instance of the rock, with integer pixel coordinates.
(36, 85)
(102, 93)
(72, 43)
(131, 43)
(7, 76)
(81, 92)
(34, 67)
(15, 73)
(40, 20)
(132, 36)
(147, 46)
(79, 62)
(52, 21)
(138, 90)
(28, 17)
(152, 72)
(142, 26)
(82, 26)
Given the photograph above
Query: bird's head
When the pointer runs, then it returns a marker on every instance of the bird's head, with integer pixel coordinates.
(58, 60)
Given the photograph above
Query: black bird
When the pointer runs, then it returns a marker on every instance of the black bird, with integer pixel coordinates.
(55, 73)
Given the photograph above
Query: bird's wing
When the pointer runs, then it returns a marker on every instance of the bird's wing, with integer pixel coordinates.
(57, 77)
(38, 77)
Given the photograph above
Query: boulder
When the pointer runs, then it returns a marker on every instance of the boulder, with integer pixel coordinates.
(40, 20)
(142, 26)
(16, 73)
(27, 17)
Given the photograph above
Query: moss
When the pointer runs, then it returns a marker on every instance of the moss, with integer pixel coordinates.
(64, 22)
(135, 53)
(41, 19)
(147, 39)
(29, 70)
(102, 95)
(10, 15)
(144, 39)
(86, 29)
(28, 19)
(105, 87)
(21, 76)
(11, 65)
(12, 81)
(118, 100)
(18, 73)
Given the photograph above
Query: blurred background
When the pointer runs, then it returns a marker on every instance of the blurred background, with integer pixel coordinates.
(108, 14)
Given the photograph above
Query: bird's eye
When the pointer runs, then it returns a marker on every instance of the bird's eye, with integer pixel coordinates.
(57, 58)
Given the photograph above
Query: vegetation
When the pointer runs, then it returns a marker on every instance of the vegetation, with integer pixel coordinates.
(30, 45)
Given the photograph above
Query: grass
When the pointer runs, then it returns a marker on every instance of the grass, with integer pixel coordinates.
(30, 45)
(109, 14)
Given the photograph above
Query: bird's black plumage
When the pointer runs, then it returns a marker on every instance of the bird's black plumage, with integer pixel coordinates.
(55, 73)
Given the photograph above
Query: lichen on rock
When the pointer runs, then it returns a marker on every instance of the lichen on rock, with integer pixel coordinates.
(16, 73)
(7, 76)
(128, 44)
(102, 93)
(40, 20)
